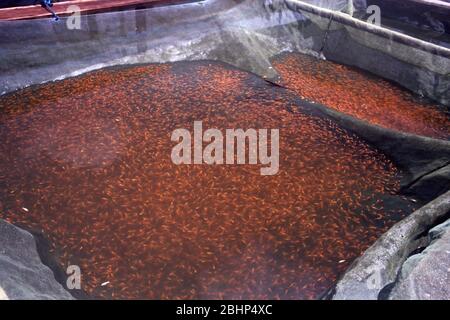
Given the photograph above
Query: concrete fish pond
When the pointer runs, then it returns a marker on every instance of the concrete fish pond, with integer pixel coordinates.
(357, 207)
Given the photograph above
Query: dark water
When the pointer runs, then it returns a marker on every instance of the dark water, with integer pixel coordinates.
(86, 161)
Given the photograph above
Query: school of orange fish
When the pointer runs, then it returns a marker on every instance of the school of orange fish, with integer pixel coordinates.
(362, 95)
(86, 161)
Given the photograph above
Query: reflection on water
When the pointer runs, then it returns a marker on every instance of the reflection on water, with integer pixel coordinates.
(87, 162)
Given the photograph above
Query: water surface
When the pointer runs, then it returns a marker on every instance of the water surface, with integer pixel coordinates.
(86, 161)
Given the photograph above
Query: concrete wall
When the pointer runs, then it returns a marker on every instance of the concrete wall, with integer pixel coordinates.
(380, 265)
(23, 276)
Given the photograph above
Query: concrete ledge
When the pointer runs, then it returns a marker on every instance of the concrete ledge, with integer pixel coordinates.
(426, 275)
(388, 34)
(22, 274)
(380, 264)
